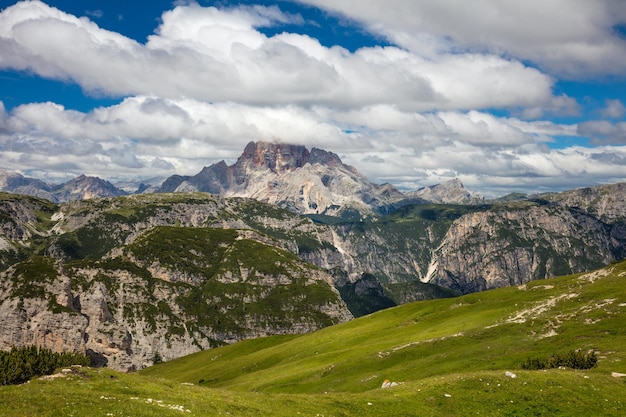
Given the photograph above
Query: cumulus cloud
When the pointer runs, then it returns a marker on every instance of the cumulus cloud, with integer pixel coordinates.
(209, 80)
(574, 38)
(145, 136)
(528, 169)
(220, 55)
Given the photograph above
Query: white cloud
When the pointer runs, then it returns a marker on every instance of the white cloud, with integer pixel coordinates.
(208, 81)
(148, 136)
(574, 38)
(219, 55)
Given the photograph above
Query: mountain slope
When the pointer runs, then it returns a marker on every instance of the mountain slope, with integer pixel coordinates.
(205, 290)
(495, 330)
(605, 202)
(465, 248)
(124, 280)
(128, 277)
(513, 243)
(24, 221)
(14, 182)
(83, 188)
(448, 357)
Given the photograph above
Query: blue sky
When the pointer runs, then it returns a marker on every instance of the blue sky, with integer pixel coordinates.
(505, 95)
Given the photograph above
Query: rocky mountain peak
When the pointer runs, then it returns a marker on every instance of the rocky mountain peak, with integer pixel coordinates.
(84, 187)
(291, 176)
(277, 157)
(322, 157)
(449, 192)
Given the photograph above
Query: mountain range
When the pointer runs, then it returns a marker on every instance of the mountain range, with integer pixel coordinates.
(286, 240)
(290, 176)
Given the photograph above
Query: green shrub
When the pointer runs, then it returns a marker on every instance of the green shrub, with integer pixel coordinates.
(157, 358)
(21, 364)
(574, 359)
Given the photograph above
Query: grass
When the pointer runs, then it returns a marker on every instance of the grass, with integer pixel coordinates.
(491, 393)
(450, 357)
(488, 331)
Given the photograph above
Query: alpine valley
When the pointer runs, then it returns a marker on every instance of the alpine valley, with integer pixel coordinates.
(286, 240)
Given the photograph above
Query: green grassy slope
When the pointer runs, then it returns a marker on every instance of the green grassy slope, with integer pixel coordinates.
(92, 393)
(449, 356)
(492, 330)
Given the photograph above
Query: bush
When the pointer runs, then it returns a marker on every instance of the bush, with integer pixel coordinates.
(157, 358)
(574, 359)
(21, 364)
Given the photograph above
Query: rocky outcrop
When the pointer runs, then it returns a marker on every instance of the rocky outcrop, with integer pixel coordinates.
(15, 182)
(22, 222)
(122, 311)
(503, 247)
(290, 176)
(84, 188)
(605, 202)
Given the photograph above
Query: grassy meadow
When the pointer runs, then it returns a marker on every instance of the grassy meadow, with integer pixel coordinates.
(449, 357)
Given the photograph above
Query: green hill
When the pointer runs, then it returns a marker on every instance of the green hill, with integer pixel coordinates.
(450, 357)
(488, 331)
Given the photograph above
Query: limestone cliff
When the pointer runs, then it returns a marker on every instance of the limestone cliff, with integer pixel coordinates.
(290, 176)
(503, 247)
(173, 292)
(605, 202)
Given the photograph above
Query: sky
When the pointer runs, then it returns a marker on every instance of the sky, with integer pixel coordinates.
(506, 95)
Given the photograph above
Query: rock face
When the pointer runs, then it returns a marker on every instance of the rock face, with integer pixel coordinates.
(605, 202)
(498, 248)
(150, 275)
(22, 222)
(123, 311)
(290, 176)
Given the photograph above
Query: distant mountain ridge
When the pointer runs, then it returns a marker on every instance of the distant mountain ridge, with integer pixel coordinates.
(79, 188)
(450, 192)
(289, 176)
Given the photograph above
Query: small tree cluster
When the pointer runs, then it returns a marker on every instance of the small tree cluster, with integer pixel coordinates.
(21, 364)
(574, 359)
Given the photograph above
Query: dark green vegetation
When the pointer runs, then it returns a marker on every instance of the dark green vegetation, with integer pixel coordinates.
(450, 357)
(574, 359)
(21, 364)
(366, 295)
